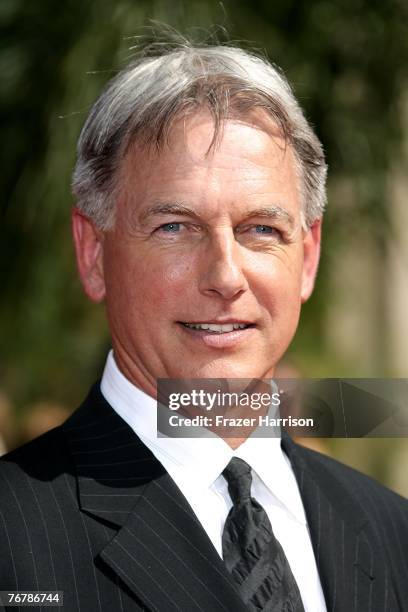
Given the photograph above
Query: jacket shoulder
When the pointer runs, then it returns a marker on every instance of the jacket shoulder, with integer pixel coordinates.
(48, 455)
(337, 479)
(40, 460)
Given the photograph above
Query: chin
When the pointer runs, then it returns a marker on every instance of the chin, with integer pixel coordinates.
(220, 369)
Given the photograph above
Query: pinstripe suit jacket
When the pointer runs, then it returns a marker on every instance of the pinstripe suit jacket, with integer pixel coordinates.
(88, 510)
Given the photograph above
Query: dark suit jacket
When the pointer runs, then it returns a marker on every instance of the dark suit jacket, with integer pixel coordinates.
(88, 510)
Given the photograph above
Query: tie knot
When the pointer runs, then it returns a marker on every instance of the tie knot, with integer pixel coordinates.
(239, 478)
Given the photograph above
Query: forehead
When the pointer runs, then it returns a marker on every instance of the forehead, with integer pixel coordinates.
(248, 158)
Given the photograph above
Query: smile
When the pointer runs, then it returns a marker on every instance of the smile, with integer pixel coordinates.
(218, 335)
(215, 328)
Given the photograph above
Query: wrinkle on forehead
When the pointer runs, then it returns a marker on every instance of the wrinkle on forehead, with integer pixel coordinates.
(188, 142)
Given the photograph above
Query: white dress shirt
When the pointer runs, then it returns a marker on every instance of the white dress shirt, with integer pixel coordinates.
(196, 466)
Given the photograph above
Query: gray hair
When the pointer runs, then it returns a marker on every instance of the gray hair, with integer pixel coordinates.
(141, 103)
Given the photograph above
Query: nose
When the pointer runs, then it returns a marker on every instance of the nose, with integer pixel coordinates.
(222, 270)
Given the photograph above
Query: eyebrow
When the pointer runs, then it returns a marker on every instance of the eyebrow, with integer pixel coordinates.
(275, 213)
(164, 208)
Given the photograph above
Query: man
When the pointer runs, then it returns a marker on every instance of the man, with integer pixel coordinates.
(199, 196)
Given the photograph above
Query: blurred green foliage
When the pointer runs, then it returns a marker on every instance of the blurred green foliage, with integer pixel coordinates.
(347, 60)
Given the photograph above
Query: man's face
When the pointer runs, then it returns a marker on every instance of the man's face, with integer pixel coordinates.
(202, 238)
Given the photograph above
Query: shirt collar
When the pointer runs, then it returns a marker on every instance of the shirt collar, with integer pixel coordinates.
(200, 460)
(267, 459)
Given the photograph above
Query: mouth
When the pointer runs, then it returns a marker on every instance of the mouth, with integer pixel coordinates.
(225, 335)
(217, 328)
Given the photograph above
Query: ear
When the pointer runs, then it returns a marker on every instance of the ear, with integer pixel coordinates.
(311, 256)
(88, 241)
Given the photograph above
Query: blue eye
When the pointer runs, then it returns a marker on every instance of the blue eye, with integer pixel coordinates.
(170, 227)
(264, 229)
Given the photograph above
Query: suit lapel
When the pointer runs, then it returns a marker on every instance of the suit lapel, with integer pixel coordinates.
(346, 546)
(164, 548)
(160, 550)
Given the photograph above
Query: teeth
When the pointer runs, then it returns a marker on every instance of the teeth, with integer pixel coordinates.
(218, 329)
(221, 328)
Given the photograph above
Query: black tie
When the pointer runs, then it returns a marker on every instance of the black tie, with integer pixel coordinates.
(252, 554)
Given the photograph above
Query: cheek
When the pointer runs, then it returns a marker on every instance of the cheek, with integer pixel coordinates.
(175, 272)
(277, 284)
(280, 304)
(157, 282)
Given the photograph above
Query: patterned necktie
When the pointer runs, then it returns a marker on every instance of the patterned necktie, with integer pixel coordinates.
(252, 554)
